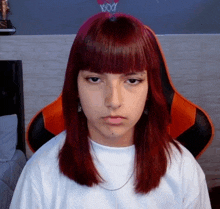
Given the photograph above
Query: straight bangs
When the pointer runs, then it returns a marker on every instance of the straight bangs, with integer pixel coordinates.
(117, 47)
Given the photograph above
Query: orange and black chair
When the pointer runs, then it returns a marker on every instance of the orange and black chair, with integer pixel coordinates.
(190, 124)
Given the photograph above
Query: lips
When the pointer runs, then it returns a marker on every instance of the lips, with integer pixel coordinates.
(114, 119)
(116, 116)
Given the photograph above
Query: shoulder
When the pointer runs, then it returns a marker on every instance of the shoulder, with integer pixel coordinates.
(186, 162)
(47, 155)
(40, 171)
(189, 173)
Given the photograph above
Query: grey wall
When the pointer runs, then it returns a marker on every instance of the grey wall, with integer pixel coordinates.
(193, 62)
(31, 17)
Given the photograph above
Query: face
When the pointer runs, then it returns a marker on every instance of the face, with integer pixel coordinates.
(104, 95)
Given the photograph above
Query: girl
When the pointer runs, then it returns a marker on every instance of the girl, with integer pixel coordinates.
(115, 147)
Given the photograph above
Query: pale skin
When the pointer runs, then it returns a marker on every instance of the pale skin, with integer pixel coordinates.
(102, 95)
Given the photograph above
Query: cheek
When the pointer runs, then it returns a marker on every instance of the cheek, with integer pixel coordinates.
(138, 100)
(90, 100)
(137, 107)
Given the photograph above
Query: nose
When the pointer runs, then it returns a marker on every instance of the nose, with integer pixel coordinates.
(113, 97)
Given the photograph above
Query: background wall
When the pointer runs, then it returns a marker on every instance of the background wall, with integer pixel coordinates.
(42, 17)
(193, 62)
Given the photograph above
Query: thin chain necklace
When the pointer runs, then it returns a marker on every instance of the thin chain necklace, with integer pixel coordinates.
(119, 187)
(107, 188)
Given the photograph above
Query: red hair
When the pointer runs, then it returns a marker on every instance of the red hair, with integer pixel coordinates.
(119, 46)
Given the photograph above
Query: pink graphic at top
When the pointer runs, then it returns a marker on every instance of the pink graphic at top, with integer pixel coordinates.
(108, 5)
(107, 1)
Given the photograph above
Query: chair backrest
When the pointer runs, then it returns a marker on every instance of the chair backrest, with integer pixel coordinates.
(11, 95)
(190, 124)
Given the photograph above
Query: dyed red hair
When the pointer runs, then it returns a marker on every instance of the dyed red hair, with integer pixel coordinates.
(120, 46)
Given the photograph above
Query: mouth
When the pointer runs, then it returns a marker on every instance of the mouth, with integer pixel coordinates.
(116, 120)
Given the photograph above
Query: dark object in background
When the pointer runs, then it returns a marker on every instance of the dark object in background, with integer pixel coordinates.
(214, 194)
(6, 28)
(11, 95)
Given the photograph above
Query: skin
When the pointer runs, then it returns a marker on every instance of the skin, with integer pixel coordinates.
(112, 94)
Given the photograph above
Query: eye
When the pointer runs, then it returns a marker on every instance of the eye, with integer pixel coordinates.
(93, 78)
(132, 80)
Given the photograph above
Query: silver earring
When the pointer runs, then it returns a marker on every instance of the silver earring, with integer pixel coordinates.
(79, 107)
(146, 111)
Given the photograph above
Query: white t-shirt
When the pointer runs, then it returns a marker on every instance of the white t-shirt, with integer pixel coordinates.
(41, 186)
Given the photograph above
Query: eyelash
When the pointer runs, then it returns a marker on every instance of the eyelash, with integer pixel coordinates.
(139, 80)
